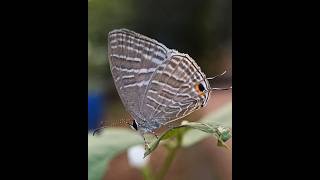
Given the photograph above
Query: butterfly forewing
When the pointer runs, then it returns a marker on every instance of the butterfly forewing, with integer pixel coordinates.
(133, 60)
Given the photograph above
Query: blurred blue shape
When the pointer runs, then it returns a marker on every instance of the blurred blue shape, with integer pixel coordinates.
(95, 109)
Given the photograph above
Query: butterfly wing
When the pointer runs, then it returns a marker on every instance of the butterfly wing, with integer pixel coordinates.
(133, 60)
(171, 94)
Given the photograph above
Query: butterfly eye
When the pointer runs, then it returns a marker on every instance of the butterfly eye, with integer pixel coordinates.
(200, 88)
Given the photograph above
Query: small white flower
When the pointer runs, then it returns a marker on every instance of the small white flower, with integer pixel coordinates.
(135, 156)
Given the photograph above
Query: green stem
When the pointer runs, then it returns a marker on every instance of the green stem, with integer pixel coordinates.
(168, 161)
(146, 172)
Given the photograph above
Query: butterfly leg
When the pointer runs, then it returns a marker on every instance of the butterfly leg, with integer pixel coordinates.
(146, 145)
(155, 134)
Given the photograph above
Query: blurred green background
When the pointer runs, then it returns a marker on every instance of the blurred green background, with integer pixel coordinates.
(200, 28)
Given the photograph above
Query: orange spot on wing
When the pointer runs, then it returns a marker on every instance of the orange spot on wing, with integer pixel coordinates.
(198, 90)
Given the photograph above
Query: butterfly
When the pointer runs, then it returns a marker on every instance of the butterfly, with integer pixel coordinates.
(157, 85)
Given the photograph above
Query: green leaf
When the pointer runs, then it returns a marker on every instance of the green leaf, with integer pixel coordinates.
(198, 125)
(223, 133)
(215, 123)
(169, 134)
(104, 147)
(112, 141)
(221, 118)
(173, 132)
(221, 143)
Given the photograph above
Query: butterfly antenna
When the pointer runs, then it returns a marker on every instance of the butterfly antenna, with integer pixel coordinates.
(218, 89)
(214, 89)
(98, 129)
(210, 78)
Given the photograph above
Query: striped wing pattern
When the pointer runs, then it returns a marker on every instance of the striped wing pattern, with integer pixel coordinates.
(133, 59)
(155, 84)
(171, 94)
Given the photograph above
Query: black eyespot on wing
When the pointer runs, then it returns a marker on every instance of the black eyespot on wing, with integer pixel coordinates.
(201, 87)
(134, 125)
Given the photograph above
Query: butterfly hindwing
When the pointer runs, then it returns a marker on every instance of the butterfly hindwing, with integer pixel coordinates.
(171, 94)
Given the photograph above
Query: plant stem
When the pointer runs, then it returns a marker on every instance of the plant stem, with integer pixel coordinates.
(146, 172)
(170, 156)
